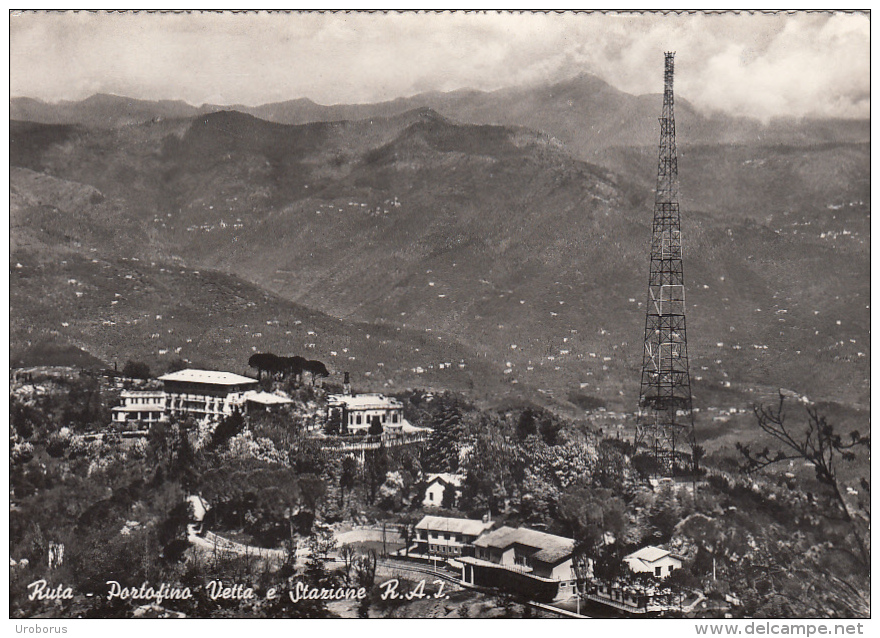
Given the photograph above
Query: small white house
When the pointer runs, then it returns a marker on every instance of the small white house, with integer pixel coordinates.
(653, 560)
(437, 486)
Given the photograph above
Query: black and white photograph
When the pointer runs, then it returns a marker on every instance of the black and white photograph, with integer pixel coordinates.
(440, 315)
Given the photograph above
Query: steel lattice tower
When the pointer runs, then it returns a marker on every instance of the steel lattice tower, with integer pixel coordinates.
(665, 404)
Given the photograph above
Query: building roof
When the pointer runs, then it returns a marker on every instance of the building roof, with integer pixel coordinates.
(212, 377)
(408, 428)
(364, 401)
(142, 393)
(648, 554)
(449, 479)
(266, 398)
(551, 548)
(456, 525)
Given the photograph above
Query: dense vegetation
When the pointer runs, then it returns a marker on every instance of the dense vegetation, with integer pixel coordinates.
(118, 509)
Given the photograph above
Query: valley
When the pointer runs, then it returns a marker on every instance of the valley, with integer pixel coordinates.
(514, 264)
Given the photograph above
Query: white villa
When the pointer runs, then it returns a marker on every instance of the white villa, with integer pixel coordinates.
(357, 411)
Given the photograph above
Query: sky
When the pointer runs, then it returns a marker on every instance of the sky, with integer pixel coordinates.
(762, 66)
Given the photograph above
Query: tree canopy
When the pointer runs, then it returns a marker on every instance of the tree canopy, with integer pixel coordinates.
(272, 364)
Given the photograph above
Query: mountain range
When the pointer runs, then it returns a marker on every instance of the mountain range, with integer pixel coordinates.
(584, 113)
(496, 242)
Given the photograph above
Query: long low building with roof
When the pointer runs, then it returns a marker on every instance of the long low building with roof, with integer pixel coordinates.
(524, 561)
(515, 559)
(265, 401)
(446, 537)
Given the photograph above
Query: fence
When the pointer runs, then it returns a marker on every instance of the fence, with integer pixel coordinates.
(345, 444)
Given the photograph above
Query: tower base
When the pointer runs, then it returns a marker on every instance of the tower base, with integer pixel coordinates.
(667, 443)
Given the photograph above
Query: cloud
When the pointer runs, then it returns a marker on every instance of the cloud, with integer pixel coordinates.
(756, 65)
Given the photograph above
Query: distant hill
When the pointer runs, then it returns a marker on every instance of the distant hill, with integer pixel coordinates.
(53, 353)
(82, 311)
(100, 110)
(584, 113)
(530, 264)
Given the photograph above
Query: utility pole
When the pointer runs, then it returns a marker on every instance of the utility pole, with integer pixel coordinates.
(665, 402)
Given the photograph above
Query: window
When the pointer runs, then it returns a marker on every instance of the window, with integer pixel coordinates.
(658, 571)
(358, 419)
(394, 418)
(430, 496)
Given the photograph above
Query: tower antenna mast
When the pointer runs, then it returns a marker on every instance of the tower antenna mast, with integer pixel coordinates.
(665, 404)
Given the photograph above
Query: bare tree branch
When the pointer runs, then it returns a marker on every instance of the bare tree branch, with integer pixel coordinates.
(818, 444)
